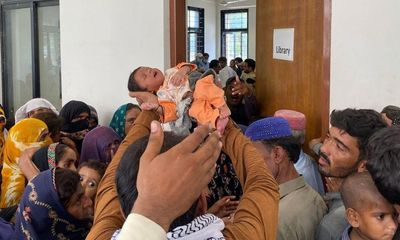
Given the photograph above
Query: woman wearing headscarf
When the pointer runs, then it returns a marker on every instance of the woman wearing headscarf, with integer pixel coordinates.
(124, 118)
(76, 121)
(54, 206)
(93, 118)
(34, 106)
(27, 133)
(100, 144)
(3, 134)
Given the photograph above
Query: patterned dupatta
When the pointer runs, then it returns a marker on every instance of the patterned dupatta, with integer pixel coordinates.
(118, 121)
(41, 215)
(25, 134)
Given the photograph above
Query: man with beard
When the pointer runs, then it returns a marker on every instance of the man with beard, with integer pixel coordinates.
(343, 153)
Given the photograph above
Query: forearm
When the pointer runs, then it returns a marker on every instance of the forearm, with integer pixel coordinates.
(108, 216)
(257, 213)
(29, 169)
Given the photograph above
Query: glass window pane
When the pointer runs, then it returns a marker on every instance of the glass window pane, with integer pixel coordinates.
(192, 46)
(49, 54)
(18, 57)
(193, 19)
(236, 20)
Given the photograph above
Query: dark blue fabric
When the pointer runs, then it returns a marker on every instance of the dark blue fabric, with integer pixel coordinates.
(40, 214)
(6, 230)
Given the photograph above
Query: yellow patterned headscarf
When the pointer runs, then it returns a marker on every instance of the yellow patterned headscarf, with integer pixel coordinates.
(25, 134)
(2, 125)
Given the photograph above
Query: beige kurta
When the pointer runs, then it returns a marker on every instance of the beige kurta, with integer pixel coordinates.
(301, 209)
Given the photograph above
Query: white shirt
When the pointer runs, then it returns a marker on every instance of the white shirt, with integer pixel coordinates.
(138, 227)
(226, 73)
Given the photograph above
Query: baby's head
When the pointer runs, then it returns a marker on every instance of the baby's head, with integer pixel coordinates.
(145, 79)
(367, 211)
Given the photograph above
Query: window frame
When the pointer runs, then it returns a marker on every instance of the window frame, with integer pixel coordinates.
(224, 30)
(33, 6)
(198, 31)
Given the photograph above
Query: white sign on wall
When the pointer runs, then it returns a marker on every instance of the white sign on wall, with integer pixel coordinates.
(283, 44)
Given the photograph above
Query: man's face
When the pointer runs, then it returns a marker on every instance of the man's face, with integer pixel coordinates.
(339, 154)
(246, 68)
(217, 69)
(148, 78)
(222, 64)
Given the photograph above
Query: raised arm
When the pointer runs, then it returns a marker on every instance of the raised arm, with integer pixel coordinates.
(108, 217)
(257, 213)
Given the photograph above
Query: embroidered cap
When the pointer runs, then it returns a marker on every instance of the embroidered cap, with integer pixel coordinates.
(268, 128)
(297, 120)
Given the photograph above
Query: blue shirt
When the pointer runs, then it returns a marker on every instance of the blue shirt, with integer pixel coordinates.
(308, 168)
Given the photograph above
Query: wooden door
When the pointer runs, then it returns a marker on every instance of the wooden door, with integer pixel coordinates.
(301, 84)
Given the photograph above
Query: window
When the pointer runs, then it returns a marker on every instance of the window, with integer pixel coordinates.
(195, 38)
(234, 33)
(31, 52)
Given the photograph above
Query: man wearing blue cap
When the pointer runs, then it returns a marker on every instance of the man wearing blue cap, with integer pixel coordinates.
(300, 207)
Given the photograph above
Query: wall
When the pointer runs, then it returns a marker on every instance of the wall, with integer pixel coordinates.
(210, 30)
(103, 41)
(251, 5)
(365, 55)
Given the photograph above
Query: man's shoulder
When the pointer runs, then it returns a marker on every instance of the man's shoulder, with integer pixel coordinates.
(332, 225)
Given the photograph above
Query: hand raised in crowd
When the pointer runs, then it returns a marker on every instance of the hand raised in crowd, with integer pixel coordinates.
(240, 88)
(26, 165)
(169, 183)
(224, 207)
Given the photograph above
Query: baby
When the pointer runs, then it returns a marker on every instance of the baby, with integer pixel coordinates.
(173, 93)
(369, 214)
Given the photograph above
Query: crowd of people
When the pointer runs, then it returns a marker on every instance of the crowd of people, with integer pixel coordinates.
(195, 160)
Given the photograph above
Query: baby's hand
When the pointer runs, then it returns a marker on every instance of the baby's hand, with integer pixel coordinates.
(224, 111)
(221, 124)
(178, 78)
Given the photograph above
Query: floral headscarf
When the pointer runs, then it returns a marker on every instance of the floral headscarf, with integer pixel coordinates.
(41, 215)
(118, 121)
(23, 135)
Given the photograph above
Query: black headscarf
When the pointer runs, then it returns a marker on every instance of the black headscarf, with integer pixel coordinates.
(71, 111)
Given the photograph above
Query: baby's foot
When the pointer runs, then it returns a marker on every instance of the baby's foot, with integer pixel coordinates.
(224, 111)
(221, 124)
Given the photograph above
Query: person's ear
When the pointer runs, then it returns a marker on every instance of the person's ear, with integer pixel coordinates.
(362, 166)
(352, 217)
(277, 154)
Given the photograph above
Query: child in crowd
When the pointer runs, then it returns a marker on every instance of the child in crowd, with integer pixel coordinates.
(91, 173)
(369, 214)
(173, 93)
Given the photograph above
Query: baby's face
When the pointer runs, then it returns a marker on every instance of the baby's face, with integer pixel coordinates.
(379, 221)
(148, 78)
